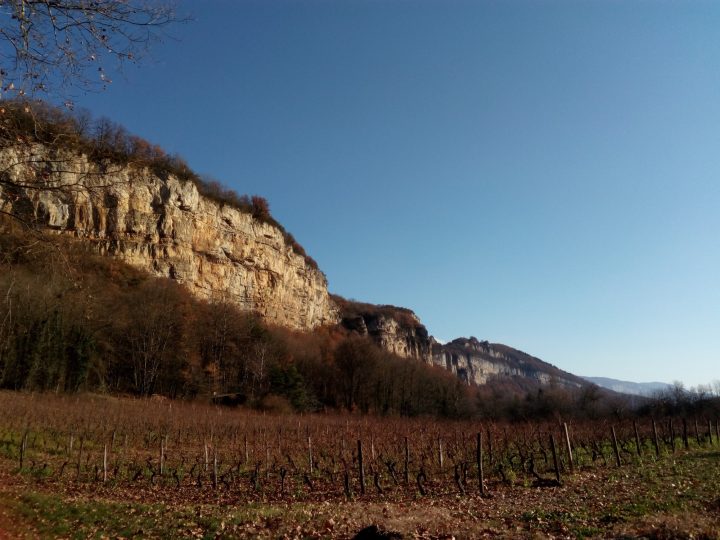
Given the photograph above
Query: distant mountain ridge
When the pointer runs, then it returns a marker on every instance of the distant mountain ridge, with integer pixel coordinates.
(480, 362)
(628, 387)
(401, 332)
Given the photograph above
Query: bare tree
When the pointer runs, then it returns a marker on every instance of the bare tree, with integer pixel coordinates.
(49, 46)
(155, 346)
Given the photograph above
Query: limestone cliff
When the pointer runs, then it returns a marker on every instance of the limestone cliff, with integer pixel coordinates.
(397, 330)
(479, 361)
(161, 224)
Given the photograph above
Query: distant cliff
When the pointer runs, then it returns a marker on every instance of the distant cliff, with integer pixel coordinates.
(479, 361)
(400, 331)
(159, 223)
(395, 329)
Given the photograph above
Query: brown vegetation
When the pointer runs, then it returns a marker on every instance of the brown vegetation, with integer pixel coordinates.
(336, 474)
(71, 321)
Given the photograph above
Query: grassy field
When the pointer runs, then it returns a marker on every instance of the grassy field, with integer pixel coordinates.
(60, 491)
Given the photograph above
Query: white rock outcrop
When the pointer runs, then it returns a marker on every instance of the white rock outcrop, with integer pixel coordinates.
(479, 362)
(160, 224)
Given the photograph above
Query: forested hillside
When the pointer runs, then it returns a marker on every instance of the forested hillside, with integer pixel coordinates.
(73, 320)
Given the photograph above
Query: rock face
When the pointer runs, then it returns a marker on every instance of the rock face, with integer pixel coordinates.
(388, 333)
(397, 330)
(161, 224)
(478, 361)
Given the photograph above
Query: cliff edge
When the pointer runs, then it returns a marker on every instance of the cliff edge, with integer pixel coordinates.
(159, 223)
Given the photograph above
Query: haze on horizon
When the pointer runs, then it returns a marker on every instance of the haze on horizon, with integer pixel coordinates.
(539, 174)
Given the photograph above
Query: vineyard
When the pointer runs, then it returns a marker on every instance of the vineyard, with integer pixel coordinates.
(155, 467)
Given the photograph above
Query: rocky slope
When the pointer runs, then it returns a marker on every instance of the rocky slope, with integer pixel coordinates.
(160, 224)
(479, 361)
(397, 330)
(400, 331)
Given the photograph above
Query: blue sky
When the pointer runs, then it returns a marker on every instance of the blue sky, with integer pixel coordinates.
(541, 174)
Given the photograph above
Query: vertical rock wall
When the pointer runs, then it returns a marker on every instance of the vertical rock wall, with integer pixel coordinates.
(164, 226)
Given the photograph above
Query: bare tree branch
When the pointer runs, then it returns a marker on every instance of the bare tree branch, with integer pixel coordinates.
(49, 46)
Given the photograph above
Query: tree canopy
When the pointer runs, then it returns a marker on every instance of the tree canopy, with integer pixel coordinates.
(48, 47)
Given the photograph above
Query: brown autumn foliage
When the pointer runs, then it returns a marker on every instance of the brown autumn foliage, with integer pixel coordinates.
(76, 321)
(73, 321)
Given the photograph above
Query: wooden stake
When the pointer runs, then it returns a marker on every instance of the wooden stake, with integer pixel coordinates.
(672, 436)
(23, 447)
(615, 446)
(569, 448)
(555, 458)
(637, 440)
(479, 459)
(490, 446)
(657, 443)
(361, 467)
(310, 457)
(710, 437)
(105, 463)
(440, 453)
(215, 470)
(407, 462)
(346, 484)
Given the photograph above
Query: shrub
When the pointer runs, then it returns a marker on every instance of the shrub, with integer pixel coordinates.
(260, 208)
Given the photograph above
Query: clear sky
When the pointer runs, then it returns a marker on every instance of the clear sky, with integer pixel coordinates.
(541, 174)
